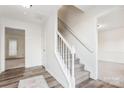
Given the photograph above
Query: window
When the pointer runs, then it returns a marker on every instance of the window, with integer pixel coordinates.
(12, 47)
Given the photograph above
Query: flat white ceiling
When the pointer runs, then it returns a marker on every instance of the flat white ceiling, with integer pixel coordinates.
(38, 13)
(108, 16)
(96, 10)
(112, 20)
(35, 14)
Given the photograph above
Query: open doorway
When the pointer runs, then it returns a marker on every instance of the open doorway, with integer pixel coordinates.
(14, 48)
(111, 47)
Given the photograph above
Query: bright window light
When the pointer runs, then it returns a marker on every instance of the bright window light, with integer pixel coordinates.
(12, 47)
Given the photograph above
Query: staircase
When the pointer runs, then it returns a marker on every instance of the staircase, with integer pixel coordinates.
(73, 69)
(81, 74)
(66, 55)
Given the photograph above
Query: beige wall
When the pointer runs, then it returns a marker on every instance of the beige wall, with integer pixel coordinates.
(84, 27)
(111, 45)
(112, 73)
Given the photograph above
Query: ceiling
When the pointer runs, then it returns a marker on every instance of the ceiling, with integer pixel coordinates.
(35, 14)
(112, 20)
(97, 10)
(108, 16)
(38, 13)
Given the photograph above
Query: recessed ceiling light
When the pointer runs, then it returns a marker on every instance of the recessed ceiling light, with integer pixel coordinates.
(27, 6)
(99, 26)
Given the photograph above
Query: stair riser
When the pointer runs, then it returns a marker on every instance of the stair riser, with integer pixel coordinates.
(80, 80)
(79, 69)
(79, 75)
(79, 66)
(77, 62)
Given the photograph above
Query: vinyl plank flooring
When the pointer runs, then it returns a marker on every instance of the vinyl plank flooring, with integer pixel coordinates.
(10, 78)
(14, 63)
(95, 84)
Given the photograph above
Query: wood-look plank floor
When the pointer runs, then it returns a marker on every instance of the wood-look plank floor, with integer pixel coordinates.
(95, 84)
(14, 63)
(10, 79)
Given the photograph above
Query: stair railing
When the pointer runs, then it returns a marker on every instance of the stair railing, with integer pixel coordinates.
(66, 56)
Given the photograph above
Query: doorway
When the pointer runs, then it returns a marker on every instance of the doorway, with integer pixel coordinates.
(14, 48)
(111, 47)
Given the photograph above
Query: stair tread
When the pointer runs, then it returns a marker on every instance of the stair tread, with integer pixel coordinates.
(78, 66)
(81, 74)
(77, 59)
(81, 80)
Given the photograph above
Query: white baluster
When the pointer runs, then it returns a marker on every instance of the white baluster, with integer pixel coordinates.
(67, 57)
(69, 62)
(58, 43)
(63, 51)
(73, 60)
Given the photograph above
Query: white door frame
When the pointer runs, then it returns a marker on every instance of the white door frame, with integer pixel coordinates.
(2, 46)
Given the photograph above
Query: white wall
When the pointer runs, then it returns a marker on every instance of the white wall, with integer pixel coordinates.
(33, 44)
(2, 46)
(84, 27)
(111, 45)
(51, 63)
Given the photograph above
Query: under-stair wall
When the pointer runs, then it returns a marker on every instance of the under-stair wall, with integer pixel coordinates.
(83, 27)
(51, 63)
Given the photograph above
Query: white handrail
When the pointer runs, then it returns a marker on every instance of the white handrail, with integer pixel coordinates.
(66, 56)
